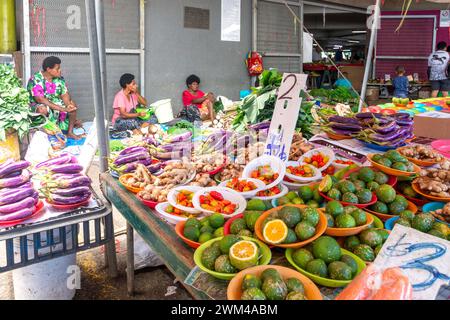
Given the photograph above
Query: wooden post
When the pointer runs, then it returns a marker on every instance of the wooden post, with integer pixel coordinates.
(130, 260)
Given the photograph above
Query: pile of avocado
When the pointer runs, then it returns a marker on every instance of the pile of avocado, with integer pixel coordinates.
(389, 202)
(367, 244)
(308, 195)
(301, 223)
(324, 258)
(271, 286)
(393, 159)
(246, 226)
(216, 257)
(339, 216)
(205, 229)
(358, 188)
(425, 222)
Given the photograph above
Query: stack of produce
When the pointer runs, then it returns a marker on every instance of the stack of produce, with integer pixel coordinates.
(346, 126)
(367, 244)
(299, 147)
(347, 191)
(427, 223)
(63, 183)
(17, 196)
(203, 180)
(324, 258)
(394, 160)
(385, 130)
(308, 195)
(435, 181)
(290, 224)
(209, 162)
(421, 152)
(389, 202)
(230, 171)
(128, 159)
(230, 254)
(271, 286)
(339, 216)
(174, 147)
(204, 229)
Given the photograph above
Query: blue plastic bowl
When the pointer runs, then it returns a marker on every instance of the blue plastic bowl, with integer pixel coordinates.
(432, 206)
(389, 224)
(381, 148)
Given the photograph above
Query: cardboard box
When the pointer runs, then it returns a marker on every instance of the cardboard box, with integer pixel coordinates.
(433, 124)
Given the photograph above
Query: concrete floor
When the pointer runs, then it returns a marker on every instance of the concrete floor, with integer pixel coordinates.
(151, 283)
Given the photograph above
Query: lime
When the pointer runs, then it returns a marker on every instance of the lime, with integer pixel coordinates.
(345, 221)
(218, 232)
(305, 192)
(301, 257)
(206, 236)
(216, 220)
(334, 208)
(326, 184)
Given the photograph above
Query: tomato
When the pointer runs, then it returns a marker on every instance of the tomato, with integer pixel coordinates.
(388, 111)
(216, 195)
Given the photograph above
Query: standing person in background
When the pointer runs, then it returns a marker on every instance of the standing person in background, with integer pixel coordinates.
(338, 56)
(400, 83)
(49, 96)
(438, 63)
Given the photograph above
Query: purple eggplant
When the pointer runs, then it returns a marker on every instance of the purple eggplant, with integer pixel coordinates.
(186, 136)
(260, 126)
(405, 122)
(71, 191)
(68, 183)
(343, 132)
(176, 146)
(66, 176)
(62, 159)
(131, 167)
(66, 168)
(13, 167)
(343, 119)
(130, 150)
(132, 157)
(391, 126)
(365, 115)
(151, 141)
(13, 197)
(13, 174)
(345, 126)
(154, 167)
(376, 137)
(6, 163)
(5, 191)
(12, 207)
(62, 200)
(176, 154)
(16, 181)
(20, 214)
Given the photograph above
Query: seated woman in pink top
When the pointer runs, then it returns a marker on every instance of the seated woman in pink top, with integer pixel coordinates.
(125, 116)
(197, 104)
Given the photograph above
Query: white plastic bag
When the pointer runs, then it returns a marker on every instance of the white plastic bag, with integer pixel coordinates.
(144, 256)
(38, 149)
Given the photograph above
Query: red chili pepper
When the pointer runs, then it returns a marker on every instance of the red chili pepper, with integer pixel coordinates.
(216, 195)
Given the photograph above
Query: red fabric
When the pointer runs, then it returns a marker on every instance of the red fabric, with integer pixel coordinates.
(188, 97)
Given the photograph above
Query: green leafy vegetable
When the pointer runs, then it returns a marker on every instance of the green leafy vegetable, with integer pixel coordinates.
(180, 127)
(14, 103)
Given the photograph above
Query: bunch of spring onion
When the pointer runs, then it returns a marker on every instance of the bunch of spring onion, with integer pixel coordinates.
(62, 181)
(18, 199)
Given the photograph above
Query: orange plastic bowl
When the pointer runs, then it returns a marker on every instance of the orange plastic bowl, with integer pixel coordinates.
(234, 290)
(179, 228)
(122, 180)
(391, 171)
(345, 232)
(416, 188)
(320, 228)
(411, 206)
(421, 163)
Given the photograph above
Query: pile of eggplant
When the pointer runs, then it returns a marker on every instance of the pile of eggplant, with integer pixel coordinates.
(62, 181)
(128, 160)
(174, 147)
(385, 130)
(380, 129)
(18, 199)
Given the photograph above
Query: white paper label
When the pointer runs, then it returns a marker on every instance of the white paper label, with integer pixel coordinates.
(231, 20)
(445, 19)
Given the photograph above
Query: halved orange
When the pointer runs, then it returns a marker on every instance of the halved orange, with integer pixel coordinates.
(244, 254)
(275, 231)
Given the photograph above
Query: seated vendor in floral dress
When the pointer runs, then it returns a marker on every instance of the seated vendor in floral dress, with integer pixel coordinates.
(125, 116)
(49, 96)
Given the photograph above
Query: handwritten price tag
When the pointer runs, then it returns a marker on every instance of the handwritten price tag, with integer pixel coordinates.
(285, 115)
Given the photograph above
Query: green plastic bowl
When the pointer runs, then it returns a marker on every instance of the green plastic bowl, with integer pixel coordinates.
(377, 223)
(148, 110)
(266, 255)
(326, 281)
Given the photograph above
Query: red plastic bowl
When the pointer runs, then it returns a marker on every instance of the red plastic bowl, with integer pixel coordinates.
(37, 211)
(148, 203)
(392, 181)
(358, 205)
(226, 226)
(69, 206)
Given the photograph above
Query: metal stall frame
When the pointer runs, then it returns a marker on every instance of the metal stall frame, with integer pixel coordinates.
(405, 57)
(28, 49)
(300, 4)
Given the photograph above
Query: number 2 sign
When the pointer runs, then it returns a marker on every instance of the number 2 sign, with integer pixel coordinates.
(285, 115)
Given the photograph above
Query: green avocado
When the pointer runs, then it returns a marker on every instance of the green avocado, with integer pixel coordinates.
(339, 270)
